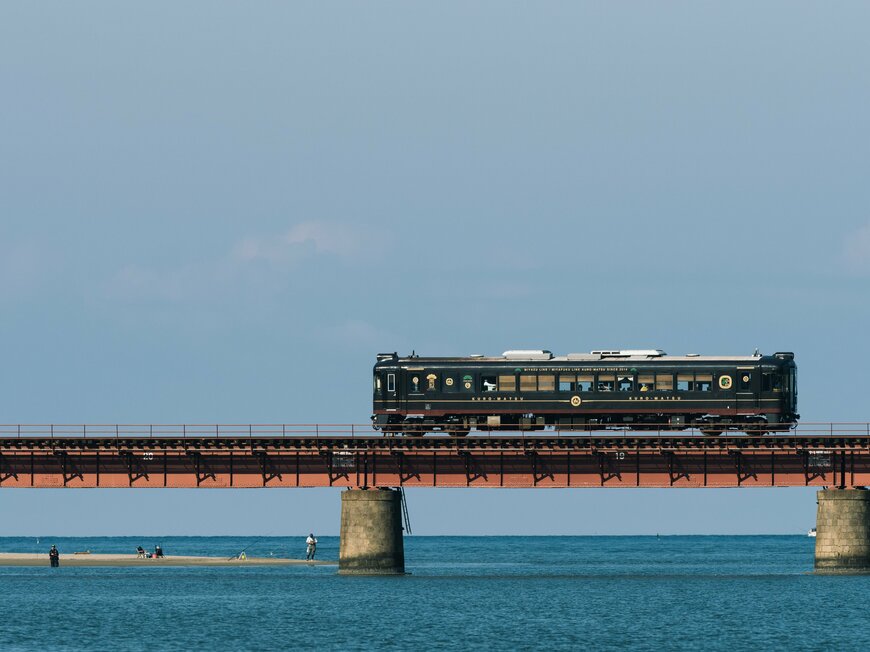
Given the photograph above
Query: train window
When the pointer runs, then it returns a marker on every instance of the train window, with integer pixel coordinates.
(625, 384)
(703, 382)
(391, 382)
(488, 383)
(584, 383)
(507, 383)
(771, 382)
(415, 385)
(546, 383)
(606, 382)
(566, 382)
(528, 382)
(645, 382)
(450, 384)
(745, 380)
(685, 382)
(665, 382)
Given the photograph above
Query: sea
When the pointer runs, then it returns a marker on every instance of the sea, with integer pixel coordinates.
(461, 593)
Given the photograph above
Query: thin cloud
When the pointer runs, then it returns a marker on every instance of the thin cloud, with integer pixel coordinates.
(856, 251)
(242, 268)
(305, 238)
(171, 285)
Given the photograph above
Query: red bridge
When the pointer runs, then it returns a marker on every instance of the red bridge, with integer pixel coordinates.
(223, 456)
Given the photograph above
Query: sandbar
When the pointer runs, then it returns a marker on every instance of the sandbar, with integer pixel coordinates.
(96, 559)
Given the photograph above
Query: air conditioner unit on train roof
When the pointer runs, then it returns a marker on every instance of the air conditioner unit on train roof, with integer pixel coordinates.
(629, 353)
(528, 355)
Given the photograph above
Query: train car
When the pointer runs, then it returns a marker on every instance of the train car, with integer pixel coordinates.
(606, 389)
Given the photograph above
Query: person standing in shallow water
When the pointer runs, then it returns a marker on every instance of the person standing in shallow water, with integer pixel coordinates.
(311, 547)
(54, 556)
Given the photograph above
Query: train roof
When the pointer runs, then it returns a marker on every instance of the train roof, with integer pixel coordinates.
(597, 356)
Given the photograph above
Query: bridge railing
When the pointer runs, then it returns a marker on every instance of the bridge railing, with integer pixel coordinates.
(184, 431)
(824, 430)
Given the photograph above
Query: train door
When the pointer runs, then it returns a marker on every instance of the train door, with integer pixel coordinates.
(747, 394)
(390, 386)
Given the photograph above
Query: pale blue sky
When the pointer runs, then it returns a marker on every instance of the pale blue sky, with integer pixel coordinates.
(219, 212)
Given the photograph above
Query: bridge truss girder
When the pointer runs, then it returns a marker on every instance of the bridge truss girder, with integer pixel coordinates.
(430, 462)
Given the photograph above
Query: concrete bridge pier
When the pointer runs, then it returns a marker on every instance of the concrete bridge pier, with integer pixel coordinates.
(371, 533)
(843, 530)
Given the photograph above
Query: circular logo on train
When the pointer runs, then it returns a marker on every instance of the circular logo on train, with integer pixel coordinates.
(448, 382)
(575, 401)
(725, 382)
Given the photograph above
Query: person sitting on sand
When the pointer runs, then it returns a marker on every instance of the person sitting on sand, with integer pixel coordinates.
(54, 556)
(140, 552)
(158, 552)
(311, 548)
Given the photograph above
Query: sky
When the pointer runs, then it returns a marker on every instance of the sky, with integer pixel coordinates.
(220, 212)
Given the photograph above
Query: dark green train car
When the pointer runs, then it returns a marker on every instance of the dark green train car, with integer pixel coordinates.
(531, 390)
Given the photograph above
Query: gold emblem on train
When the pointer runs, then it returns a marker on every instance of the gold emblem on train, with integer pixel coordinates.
(575, 401)
(448, 382)
(431, 378)
(725, 382)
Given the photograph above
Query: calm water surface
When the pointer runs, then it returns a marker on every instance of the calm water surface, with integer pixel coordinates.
(558, 593)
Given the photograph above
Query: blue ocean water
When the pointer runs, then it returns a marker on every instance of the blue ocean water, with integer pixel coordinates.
(555, 593)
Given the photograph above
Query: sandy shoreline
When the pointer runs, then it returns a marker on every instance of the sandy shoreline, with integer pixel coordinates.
(41, 559)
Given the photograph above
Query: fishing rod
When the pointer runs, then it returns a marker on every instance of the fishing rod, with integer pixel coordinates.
(250, 545)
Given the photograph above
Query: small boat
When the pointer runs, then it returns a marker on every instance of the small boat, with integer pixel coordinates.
(812, 533)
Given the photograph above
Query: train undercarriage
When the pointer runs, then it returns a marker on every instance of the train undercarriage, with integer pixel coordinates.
(462, 425)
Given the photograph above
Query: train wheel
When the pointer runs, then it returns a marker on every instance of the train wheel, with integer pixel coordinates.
(755, 429)
(413, 429)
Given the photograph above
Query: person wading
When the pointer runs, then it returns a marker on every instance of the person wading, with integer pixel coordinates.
(311, 547)
(54, 557)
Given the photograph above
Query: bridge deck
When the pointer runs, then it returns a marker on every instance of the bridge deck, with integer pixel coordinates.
(354, 456)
